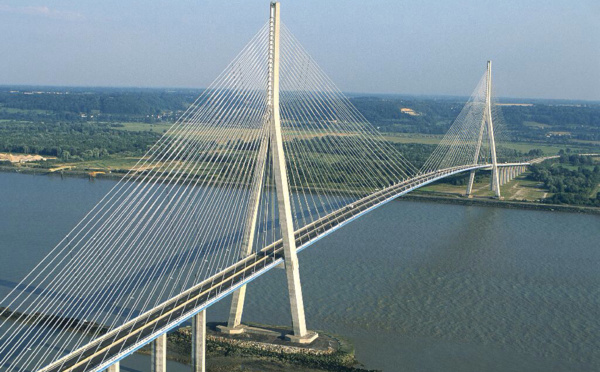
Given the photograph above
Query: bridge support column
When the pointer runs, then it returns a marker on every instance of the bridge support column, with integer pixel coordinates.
(158, 354)
(470, 184)
(199, 342)
(115, 367)
(237, 299)
(274, 144)
(488, 102)
(292, 271)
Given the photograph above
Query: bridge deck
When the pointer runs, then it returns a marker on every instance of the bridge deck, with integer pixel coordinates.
(132, 335)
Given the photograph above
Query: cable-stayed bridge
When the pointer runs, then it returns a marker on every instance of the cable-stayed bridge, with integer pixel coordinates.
(268, 160)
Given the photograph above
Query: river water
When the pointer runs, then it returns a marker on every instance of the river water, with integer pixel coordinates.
(415, 286)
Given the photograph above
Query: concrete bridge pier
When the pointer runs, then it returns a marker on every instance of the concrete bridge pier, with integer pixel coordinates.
(115, 367)
(158, 354)
(199, 342)
(470, 184)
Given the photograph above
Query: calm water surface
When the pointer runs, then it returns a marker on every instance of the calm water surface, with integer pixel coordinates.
(416, 286)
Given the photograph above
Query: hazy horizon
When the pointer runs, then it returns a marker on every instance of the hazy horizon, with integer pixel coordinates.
(349, 94)
(540, 49)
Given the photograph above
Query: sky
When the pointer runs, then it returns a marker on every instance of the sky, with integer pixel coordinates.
(539, 48)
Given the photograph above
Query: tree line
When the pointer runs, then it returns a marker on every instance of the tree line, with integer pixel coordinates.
(569, 186)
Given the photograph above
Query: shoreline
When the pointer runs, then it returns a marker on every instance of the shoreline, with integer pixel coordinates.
(489, 202)
(418, 196)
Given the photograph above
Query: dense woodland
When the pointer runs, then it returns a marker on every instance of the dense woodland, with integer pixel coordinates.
(88, 123)
(569, 186)
(71, 140)
(547, 121)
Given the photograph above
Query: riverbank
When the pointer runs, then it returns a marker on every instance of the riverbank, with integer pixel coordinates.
(61, 172)
(490, 202)
(418, 195)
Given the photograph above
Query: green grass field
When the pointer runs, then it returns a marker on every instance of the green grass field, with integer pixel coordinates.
(413, 138)
(144, 127)
(548, 149)
(534, 124)
(11, 110)
(518, 189)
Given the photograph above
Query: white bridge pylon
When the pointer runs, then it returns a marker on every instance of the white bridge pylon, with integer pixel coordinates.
(471, 139)
(268, 160)
(486, 122)
(274, 144)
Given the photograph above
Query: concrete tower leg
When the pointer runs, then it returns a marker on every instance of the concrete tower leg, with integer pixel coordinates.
(300, 335)
(488, 102)
(470, 184)
(475, 158)
(199, 342)
(237, 299)
(158, 354)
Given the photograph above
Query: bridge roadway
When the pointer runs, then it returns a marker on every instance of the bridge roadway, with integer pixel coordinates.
(132, 335)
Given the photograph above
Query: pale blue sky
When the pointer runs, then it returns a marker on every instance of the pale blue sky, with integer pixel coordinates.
(540, 48)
